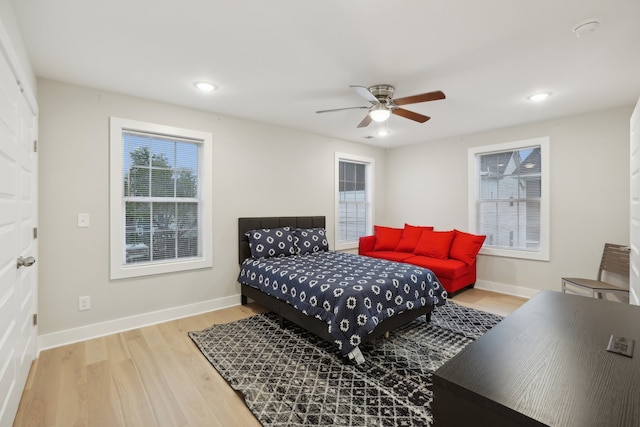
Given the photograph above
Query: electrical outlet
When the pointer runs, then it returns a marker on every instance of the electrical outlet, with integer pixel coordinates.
(84, 303)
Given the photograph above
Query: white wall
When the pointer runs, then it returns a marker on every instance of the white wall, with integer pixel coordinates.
(263, 170)
(258, 170)
(427, 185)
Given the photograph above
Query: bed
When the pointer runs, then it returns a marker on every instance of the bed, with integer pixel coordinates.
(344, 298)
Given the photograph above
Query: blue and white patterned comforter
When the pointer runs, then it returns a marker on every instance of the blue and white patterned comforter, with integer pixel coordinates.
(351, 293)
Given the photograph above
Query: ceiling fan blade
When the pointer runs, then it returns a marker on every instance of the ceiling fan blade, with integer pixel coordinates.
(364, 92)
(424, 97)
(365, 122)
(410, 115)
(340, 109)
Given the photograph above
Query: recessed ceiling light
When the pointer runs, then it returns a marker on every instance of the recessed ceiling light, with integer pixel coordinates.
(585, 27)
(539, 96)
(205, 86)
(382, 133)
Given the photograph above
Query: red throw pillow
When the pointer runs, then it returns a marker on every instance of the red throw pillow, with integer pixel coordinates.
(410, 237)
(435, 244)
(466, 246)
(387, 238)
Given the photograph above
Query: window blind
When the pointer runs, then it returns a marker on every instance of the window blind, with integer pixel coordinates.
(162, 201)
(353, 203)
(508, 203)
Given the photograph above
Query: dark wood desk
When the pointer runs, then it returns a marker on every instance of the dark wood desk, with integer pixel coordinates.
(545, 365)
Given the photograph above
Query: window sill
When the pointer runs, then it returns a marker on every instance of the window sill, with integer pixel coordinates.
(509, 253)
(346, 246)
(128, 271)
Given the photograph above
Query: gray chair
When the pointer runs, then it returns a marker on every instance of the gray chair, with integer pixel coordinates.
(615, 259)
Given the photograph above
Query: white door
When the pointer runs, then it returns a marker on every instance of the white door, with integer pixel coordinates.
(634, 238)
(18, 215)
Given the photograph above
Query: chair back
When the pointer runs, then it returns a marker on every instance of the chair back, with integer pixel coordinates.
(615, 259)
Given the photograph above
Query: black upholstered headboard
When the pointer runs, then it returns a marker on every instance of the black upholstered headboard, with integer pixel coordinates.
(246, 224)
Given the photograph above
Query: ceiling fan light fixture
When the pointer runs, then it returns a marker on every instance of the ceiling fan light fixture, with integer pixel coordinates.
(380, 113)
(382, 104)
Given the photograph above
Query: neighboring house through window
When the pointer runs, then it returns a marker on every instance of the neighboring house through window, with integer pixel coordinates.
(509, 198)
(160, 199)
(354, 200)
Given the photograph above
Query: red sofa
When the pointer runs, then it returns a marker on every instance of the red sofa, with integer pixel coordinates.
(451, 255)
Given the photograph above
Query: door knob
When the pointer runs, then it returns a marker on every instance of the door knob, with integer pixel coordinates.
(27, 262)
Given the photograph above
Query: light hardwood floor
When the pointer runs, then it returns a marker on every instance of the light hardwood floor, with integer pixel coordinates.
(154, 376)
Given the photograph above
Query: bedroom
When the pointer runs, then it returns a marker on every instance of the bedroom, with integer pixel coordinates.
(299, 166)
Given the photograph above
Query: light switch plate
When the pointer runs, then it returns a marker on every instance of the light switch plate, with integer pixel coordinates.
(84, 303)
(83, 220)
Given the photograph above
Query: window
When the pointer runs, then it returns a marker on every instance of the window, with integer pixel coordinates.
(354, 205)
(160, 199)
(509, 198)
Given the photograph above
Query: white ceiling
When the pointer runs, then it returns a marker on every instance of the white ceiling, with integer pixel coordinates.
(279, 61)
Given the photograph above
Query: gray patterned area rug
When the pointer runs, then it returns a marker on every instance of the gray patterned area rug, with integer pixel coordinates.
(289, 377)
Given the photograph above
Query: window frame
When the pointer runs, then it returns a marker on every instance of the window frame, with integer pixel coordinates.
(117, 221)
(474, 187)
(369, 163)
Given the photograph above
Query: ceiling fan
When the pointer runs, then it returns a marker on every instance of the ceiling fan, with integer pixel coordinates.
(383, 104)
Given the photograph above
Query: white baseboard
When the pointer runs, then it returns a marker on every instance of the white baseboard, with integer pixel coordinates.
(69, 336)
(504, 288)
